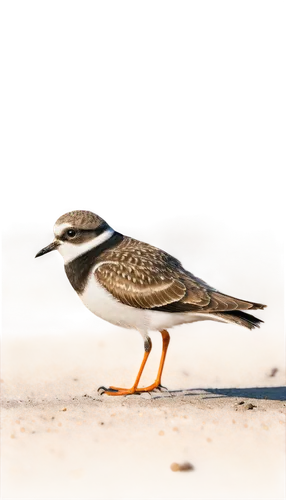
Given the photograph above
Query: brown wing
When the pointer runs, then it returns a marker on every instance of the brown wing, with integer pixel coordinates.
(217, 300)
(135, 287)
(143, 276)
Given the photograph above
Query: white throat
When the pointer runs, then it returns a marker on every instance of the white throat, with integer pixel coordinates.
(71, 251)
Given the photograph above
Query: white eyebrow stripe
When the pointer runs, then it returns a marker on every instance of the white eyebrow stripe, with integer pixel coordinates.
(58, 229)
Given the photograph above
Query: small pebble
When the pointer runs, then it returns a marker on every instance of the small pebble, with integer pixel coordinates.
(64, 409)
(161, 433)
(186, 466)
(273, 372)
(250, 406)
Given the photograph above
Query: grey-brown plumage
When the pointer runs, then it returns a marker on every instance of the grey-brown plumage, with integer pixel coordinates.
(142, 276)
(81, 219)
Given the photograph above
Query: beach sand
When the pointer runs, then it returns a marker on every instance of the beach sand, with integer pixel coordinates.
(62, 440)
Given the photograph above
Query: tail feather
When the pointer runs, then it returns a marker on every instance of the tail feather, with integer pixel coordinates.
(241, 318)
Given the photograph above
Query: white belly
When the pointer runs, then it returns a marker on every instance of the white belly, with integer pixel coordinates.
(102, 304)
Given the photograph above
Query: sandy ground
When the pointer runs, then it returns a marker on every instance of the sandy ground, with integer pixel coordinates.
(61, 440)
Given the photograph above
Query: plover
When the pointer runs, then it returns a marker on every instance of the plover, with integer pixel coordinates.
(135, 285)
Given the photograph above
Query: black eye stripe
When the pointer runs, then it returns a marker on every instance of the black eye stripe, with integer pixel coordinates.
(78, 232)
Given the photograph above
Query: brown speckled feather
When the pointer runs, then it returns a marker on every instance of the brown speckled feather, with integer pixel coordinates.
(142, 276)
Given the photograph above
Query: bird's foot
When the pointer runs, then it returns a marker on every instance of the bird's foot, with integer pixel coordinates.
(121, 391)
(116, 391)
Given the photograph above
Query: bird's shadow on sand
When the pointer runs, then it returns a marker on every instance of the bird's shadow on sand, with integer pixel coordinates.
(270, 393)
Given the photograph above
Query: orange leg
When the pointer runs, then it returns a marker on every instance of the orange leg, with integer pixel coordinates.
(119, 391)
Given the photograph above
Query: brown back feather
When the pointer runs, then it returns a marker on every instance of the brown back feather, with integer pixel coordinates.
(143, 276)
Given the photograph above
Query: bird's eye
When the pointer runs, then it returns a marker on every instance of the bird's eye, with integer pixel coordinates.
(71, 233)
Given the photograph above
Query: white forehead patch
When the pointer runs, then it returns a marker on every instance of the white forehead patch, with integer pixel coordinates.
(59, 228)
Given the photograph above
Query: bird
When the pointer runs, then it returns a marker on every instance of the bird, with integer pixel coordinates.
(135, 285)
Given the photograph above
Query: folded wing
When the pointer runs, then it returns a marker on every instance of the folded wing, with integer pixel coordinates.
(145, 277)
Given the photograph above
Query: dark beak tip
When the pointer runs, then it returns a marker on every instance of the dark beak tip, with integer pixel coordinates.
(47, 249)
(39, 254)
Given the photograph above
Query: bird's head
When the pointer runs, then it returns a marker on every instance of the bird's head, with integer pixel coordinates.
(76, 231)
